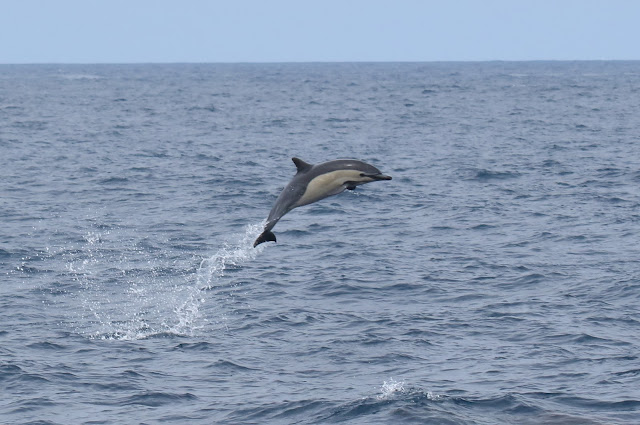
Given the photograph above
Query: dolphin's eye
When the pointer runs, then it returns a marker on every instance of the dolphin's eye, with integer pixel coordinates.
(362, 174)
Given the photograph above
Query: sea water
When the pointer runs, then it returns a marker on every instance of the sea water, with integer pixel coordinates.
(494, 280)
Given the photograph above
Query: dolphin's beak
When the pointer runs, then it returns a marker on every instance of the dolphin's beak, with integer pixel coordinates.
(379, 177)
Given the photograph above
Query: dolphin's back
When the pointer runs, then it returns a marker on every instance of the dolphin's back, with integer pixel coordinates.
(344, 164)
(287, 199)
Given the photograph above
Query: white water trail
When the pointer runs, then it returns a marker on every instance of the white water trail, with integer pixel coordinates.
(125, 294)
(233, 253)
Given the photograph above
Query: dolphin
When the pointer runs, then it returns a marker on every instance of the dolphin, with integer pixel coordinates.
(315, 182)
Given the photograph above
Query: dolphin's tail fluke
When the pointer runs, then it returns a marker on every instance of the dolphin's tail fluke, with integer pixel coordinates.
(266, 236)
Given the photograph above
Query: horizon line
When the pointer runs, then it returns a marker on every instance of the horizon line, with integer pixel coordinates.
(316, 62)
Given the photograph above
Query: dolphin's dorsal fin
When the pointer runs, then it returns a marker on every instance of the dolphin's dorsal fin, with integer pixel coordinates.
(301, 165)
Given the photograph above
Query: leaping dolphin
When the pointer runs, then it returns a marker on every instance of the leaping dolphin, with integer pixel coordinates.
(315, 182)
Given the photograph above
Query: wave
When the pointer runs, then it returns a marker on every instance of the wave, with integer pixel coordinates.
(155, 399)
(484, 175)
(390, 405)
(398, 403)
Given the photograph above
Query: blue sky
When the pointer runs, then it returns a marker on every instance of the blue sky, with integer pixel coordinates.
(134, 31)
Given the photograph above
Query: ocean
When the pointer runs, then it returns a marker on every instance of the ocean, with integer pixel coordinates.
(494, 280)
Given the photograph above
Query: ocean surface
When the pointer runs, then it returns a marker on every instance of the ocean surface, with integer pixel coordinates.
(494, 280)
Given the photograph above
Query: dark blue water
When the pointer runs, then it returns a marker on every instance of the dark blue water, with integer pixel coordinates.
(494, 280)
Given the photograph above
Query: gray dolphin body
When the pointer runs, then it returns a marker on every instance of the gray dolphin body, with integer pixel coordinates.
(315, 182)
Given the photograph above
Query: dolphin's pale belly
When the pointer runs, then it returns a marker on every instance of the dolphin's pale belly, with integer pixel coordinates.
(328, 184)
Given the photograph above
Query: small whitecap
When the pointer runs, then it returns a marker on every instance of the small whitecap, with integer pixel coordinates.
(389, 388)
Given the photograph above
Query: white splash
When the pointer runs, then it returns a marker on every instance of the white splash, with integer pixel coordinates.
(432, 396)
(231, 254)
(392, 387)
(389, 388)
(126, 294)
(210, 272)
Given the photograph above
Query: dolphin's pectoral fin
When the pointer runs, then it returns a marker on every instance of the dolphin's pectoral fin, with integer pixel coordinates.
(350, 185)
(266, 236)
